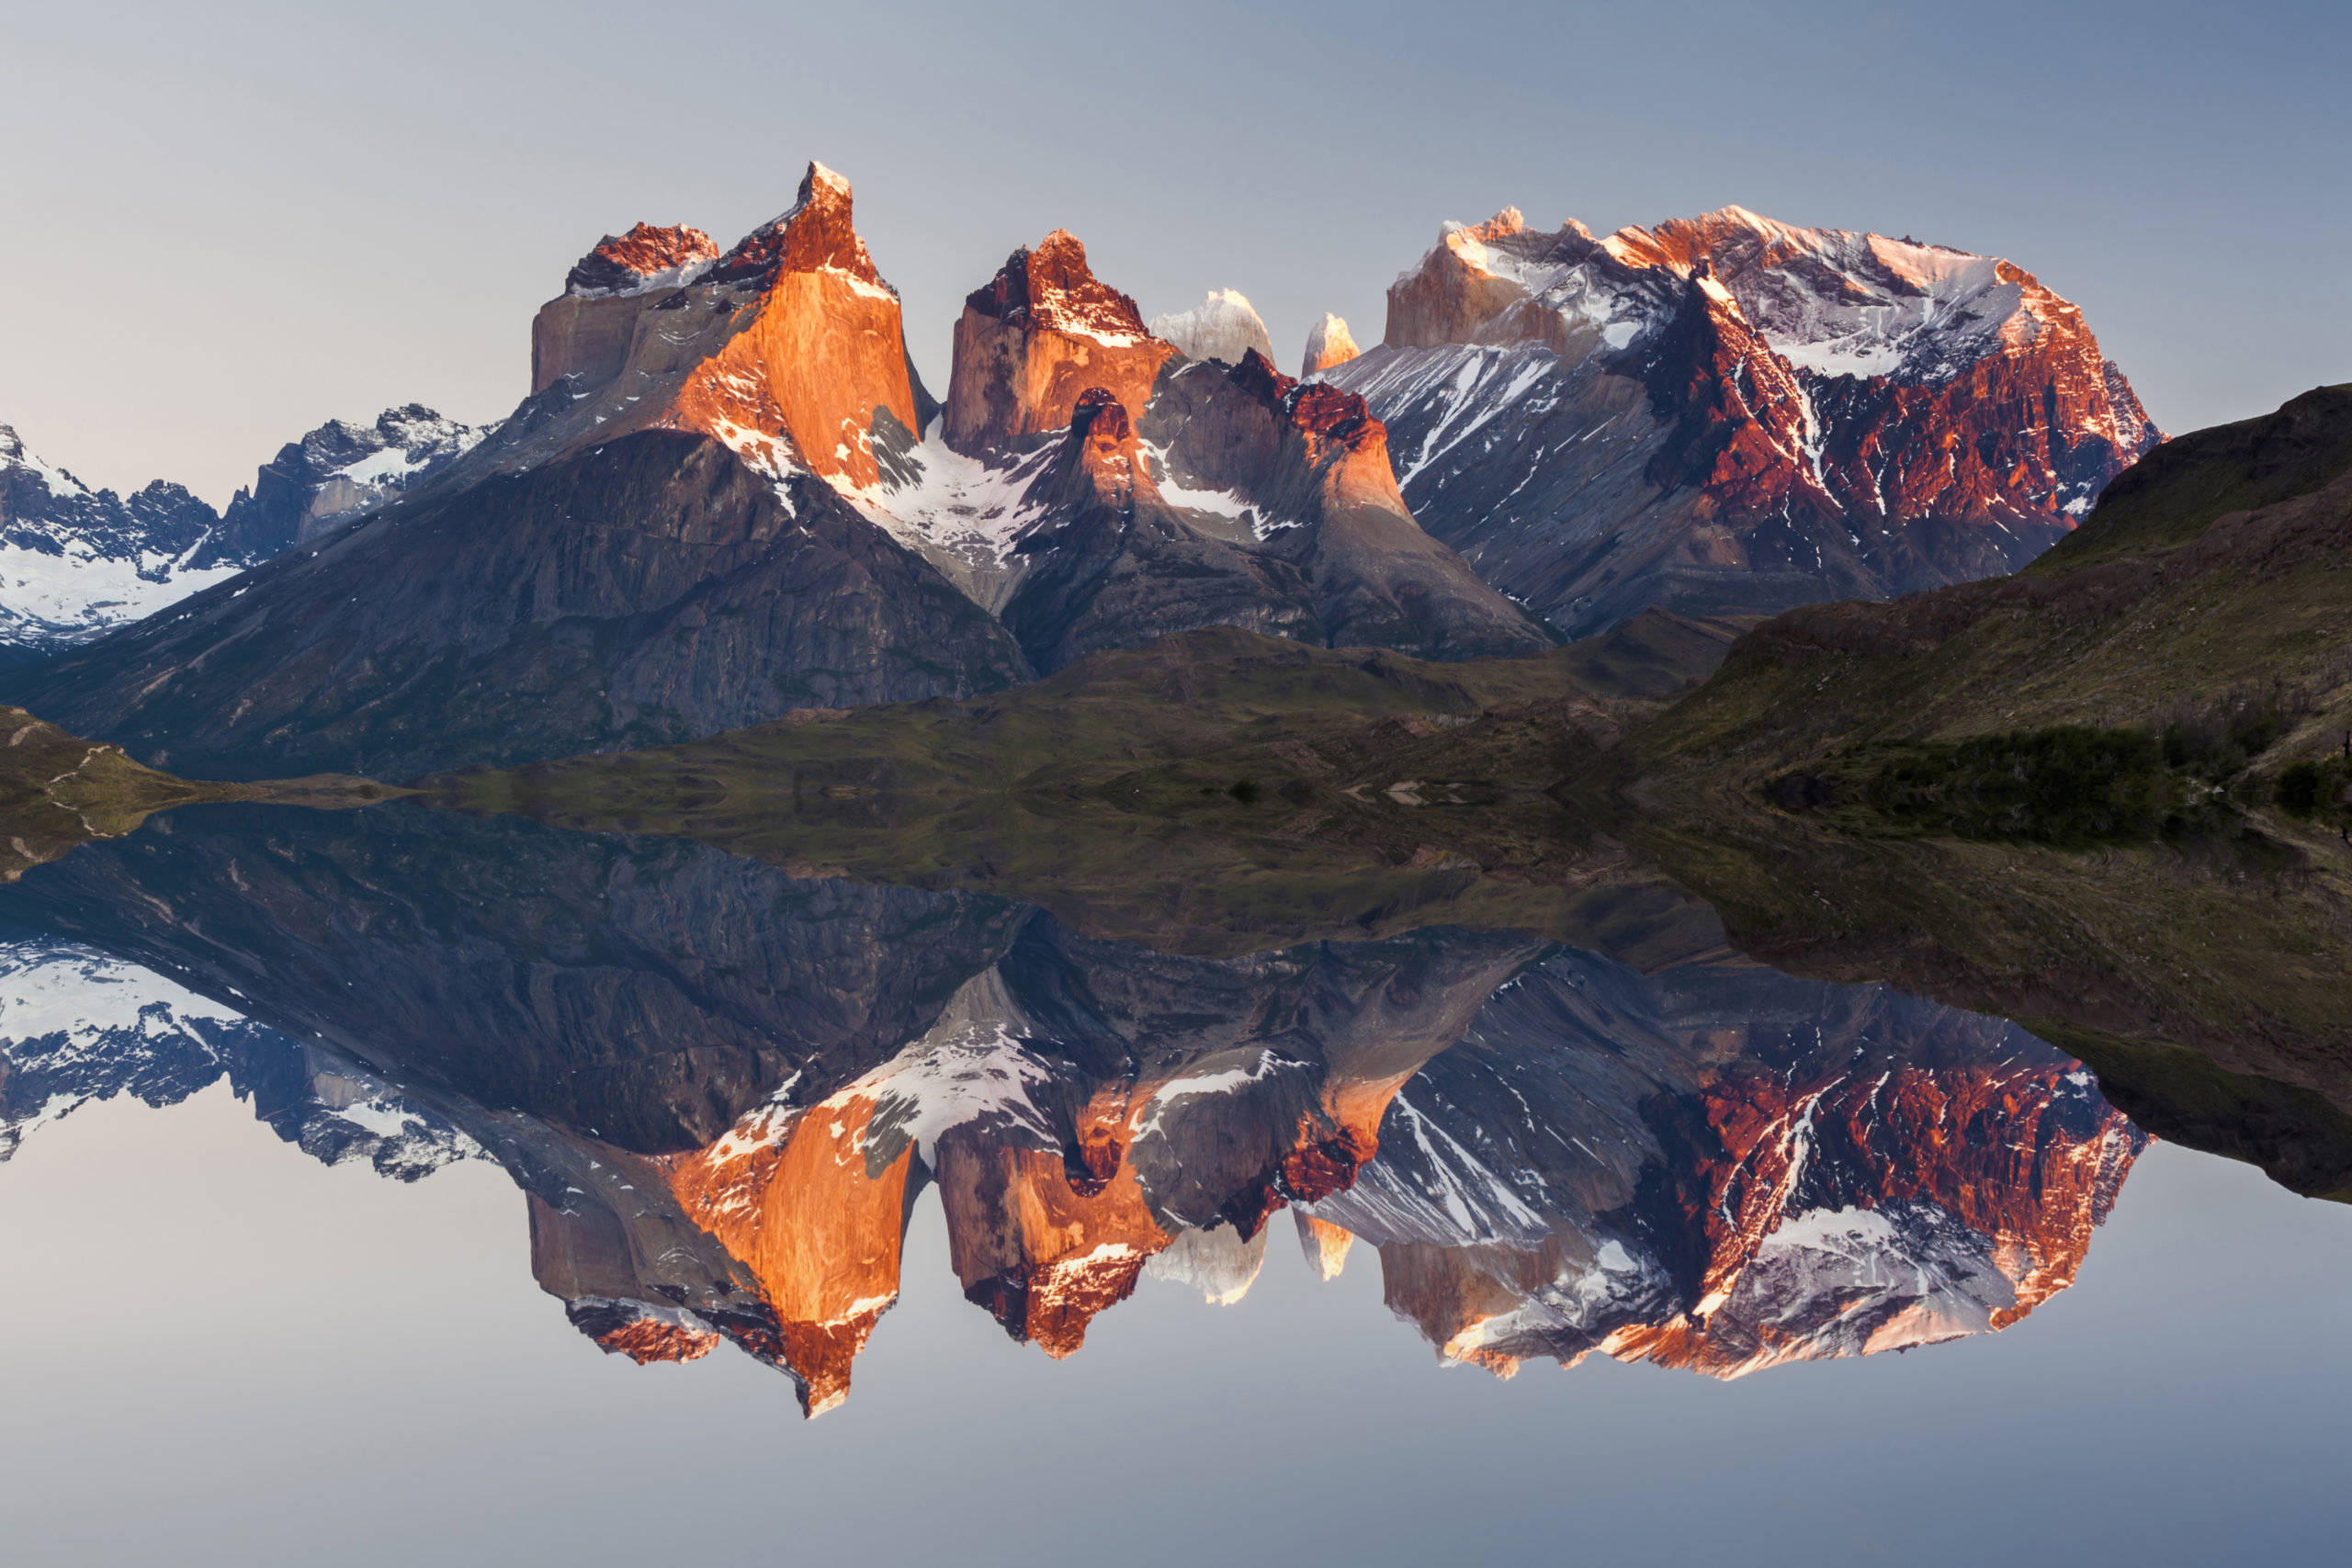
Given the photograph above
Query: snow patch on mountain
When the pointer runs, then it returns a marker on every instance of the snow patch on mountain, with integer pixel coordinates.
(1222, 326)
(973, 1066)
(55, 599)
(961, 514)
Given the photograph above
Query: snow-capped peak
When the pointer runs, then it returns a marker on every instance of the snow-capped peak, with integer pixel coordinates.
(1329, 342)
(13, 455)
(646, 258)
(1222, 326)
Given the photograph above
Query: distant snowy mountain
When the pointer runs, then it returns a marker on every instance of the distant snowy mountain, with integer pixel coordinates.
(75, 563)
(1222, 326)
(338, 471)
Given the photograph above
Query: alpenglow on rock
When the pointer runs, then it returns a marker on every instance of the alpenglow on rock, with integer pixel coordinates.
(1728, 414)
(1329, 342)
(1222, 326)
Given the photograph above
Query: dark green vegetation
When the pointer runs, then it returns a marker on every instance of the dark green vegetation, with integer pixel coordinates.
(58, 790)
(1214, 789)
(2070, 785)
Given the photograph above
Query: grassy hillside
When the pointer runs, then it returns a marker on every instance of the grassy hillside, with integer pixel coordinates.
(1213, 790)
(2107, 797)
(58, 791)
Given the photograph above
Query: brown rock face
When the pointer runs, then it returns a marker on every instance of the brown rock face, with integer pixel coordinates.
(1043, 331)
(789, 348)
(587, 330)
(1462, 292)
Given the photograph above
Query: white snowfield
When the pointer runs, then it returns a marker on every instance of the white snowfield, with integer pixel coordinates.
(1831, 302)
(51, 600)
(1223, 326)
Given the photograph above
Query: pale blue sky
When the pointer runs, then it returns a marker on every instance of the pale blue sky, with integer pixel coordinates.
(226, 224)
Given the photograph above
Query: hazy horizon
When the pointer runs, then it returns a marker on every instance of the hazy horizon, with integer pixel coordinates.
(234, 227)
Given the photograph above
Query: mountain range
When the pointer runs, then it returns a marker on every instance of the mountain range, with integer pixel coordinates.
(1727, 414)
(76, 563)
(729, 494)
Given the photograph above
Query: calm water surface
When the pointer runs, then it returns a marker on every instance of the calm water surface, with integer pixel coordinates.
(1846, 1276)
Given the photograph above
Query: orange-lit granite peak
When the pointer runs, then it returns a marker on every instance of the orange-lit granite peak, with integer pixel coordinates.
(1042, 331)
(815, 234)
(646, 1334)
(790, 348)
(824, 358)
(1041, 1255)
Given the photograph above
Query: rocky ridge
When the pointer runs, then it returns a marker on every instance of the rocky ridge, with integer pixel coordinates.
(1720, 1169)
(650, 548)
(1730, 414)
(77, 563)
(1238, 498)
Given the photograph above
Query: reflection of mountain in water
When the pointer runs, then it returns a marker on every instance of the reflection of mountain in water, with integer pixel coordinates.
(1724, 1168)
(723, 1088)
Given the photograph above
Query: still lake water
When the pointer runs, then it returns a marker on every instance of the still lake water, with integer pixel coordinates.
(221, 1348)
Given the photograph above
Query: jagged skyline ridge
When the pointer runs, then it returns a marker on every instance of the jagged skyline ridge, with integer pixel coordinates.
(269, 174)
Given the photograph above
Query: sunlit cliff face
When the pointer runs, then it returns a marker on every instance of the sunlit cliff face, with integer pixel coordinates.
(1035, 337)
(789, 348)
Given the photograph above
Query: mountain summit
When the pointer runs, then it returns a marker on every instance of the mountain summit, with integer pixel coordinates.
(1731, 413)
